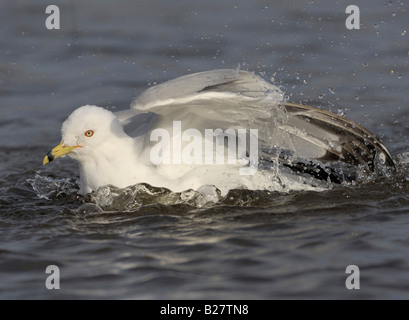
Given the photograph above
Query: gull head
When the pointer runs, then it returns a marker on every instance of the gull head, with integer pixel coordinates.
(86, 133)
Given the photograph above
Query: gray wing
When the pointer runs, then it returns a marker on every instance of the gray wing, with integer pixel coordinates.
(223, 80)
(239, 99)
(341, 139)
(225, 98)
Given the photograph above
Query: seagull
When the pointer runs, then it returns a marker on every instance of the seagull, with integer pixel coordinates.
(226, 128)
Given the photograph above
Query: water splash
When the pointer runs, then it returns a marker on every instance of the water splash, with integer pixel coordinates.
(133, 198)
(49, 188)
(111, 198)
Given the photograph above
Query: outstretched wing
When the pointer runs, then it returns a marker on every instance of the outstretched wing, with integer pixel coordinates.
(240, 82)
(239, 99)
(340, 139)
(223, 99)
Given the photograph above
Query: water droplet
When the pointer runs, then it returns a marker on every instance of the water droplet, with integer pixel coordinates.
(399, 76)
(403, 32)
(375, 26)
(365, 64)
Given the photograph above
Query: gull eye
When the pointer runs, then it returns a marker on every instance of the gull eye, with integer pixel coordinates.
(89, 133)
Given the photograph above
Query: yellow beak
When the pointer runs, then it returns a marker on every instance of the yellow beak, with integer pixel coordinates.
(57, 152)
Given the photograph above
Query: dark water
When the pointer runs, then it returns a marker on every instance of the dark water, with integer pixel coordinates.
(248, 246)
